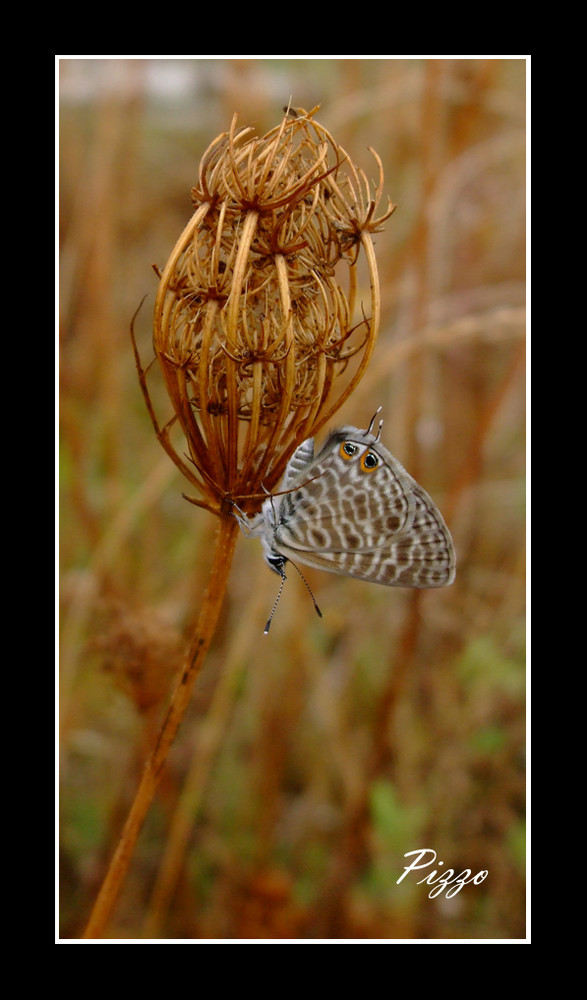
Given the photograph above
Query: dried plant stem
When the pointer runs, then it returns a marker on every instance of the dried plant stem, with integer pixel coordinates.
(206, 626)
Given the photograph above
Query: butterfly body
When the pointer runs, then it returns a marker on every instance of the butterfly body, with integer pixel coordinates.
(352, 509)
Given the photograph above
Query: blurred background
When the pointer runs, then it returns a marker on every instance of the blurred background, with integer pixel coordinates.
(314, 759)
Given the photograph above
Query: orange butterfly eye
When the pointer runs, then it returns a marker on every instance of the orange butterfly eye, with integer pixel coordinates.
(369, 461)
(348, 450)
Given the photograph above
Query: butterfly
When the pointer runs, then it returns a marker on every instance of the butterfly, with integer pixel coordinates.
(352, 509)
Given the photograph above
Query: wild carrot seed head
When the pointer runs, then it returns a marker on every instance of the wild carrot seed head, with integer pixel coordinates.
(252, 328)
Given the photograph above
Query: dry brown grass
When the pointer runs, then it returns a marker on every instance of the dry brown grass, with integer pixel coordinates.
(311, 761)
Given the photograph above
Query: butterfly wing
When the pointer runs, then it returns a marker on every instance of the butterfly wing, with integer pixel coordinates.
(374, 524)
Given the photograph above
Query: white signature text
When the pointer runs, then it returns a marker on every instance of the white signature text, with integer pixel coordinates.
(446, 880)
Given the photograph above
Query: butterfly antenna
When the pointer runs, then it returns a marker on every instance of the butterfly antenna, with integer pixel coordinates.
(275, 603)
(299, 572)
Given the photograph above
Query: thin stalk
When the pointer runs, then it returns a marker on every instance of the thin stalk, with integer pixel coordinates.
(206, 626)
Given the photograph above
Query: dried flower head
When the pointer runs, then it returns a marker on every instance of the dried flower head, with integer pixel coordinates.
(139, 649)
(257, 340)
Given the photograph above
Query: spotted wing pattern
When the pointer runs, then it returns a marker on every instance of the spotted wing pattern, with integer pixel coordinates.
(354, 510)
